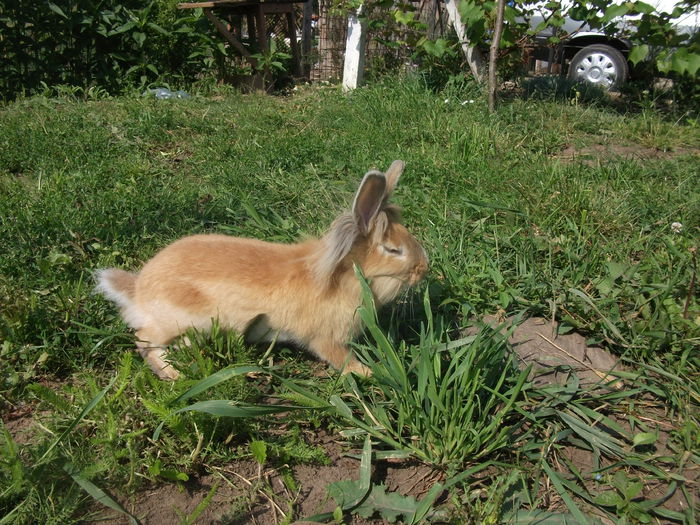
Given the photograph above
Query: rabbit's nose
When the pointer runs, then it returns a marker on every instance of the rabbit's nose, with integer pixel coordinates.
(419, 271)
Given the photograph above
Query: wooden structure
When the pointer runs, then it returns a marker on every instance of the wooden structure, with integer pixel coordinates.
(227, 17)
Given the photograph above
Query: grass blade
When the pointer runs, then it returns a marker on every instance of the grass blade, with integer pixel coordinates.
(97, 493)
(88, 408)
(215, 379)
(226, 408)
(568, 501)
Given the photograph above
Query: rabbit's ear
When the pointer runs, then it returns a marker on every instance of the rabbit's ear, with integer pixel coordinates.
(368, 200)
(393, 174)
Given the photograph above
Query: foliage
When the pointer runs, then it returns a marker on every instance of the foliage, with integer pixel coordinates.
(651, 32)
(456, 396)
(88, 43)
(366, 499)
(655, 35)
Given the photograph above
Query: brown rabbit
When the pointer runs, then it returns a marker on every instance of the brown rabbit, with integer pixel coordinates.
(306, 293)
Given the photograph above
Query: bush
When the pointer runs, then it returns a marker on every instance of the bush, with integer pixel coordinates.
(89, 43)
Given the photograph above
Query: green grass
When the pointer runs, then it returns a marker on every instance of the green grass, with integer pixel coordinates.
(510, 226)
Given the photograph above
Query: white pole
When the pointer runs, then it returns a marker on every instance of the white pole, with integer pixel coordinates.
(354, 65)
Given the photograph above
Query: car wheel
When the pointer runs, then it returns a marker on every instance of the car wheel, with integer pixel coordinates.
(600, 65)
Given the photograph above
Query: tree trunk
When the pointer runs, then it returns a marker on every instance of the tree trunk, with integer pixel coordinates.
(474, 57)
(493, 55)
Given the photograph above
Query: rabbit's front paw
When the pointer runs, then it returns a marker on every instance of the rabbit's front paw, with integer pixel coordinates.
(355, 367)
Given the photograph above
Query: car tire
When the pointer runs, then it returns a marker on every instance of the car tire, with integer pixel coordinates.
(600, 65)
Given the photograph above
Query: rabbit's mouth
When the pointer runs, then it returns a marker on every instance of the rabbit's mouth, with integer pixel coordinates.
(387, 287)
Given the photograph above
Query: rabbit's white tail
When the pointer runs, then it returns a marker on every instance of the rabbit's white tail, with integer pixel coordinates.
(118, 286)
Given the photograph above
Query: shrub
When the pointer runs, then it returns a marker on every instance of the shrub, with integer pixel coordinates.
(96, 43)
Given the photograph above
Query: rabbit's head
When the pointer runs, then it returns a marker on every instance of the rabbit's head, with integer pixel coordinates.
(372, 236)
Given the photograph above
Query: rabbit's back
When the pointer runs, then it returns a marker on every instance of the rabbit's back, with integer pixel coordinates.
(232, 279)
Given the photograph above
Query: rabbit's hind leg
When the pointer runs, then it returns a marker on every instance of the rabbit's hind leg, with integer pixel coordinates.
(151, 344)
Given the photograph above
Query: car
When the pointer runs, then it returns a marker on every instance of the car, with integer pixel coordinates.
(591, 55)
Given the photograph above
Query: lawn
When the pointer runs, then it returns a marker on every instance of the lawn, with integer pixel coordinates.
(554, 210)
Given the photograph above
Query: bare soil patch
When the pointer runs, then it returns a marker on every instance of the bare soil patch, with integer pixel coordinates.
(601, 153)
(248, 494)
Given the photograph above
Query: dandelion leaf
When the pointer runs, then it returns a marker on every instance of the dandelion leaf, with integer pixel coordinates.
(391, 506)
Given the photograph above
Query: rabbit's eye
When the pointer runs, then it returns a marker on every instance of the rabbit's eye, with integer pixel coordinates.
(392, 250)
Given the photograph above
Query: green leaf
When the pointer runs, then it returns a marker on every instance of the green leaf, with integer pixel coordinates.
(679, 61)
(122, 28)
(173, 475)
(425, 504)
(638, 53)
(614, 11)
(390, 505)
(642, 7)
(693, 63)
(616, 269)
(348, 494)
(341, 406)
(644, 438)
(403, 17)
(470, 12)
(139, 38)
(57, 10)
(633, 489)
(609, 498)
(365, 499)
(157, 28)
(620, 481)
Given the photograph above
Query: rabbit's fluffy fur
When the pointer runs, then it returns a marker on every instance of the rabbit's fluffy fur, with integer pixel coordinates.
(306, 293)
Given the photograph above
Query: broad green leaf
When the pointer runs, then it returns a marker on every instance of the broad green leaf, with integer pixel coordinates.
(390, 505)
(470, 12)
(642, 7)
(614, 11)
(122, 28)
(638, 53)
(139, 38)
(620, 481)
(633, 489)
(616, 269)
(644, 438)
(693, 63)
(679, 61)
(157, 28)
(609, 498)
(403, 17)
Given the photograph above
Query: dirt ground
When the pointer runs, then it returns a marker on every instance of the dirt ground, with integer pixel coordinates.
(601, 152)
(247, 494)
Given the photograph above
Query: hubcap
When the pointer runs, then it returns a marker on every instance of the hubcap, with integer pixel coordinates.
(597, 68)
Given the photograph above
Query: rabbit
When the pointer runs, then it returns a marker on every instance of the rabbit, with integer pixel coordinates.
(305, 293)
